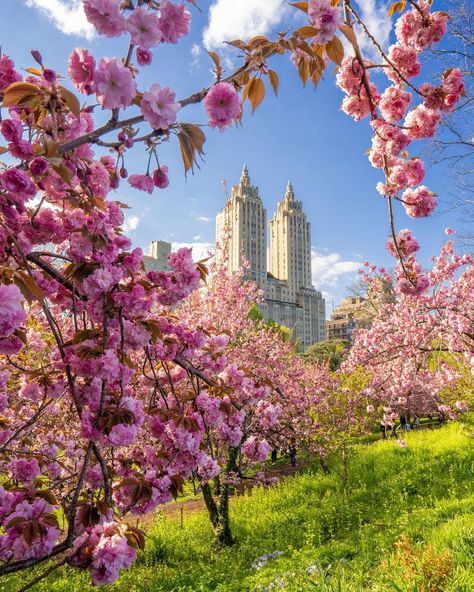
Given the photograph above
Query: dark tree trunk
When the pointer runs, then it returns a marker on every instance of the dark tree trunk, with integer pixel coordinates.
(210, 505)
(224, 533)
(217, 485)
(219, 514)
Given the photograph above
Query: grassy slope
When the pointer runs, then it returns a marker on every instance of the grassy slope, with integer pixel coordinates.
(331, 540)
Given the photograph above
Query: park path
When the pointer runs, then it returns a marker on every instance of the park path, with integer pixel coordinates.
(184, 508)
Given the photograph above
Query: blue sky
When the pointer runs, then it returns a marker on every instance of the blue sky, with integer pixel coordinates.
(301, 135)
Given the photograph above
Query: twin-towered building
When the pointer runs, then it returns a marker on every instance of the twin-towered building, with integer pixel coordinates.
(241, 231)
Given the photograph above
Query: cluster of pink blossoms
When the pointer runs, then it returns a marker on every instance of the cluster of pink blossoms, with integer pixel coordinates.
(147, 29)
(12, 315)
(419, 27)
(419, 202)
(406, 242)
(113, 81)
(326, 18)
(223, 105)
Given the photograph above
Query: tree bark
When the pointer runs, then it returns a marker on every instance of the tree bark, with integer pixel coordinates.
(211, 505)
(224, 532)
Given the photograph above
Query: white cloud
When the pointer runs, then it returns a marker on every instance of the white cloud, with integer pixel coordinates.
(374, 14)
(332, 271)
(66, 15)
(131, 223)
(196, 50)
(200, 250)
(241, 19)
(198, 237)
(203, 219)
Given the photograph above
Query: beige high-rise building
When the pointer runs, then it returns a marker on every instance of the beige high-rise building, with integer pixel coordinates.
(290, 243)
(290, 298)
(245, 219)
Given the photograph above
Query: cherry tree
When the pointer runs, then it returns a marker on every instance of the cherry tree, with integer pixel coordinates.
(266, 389)
(100, 416)
(419, 351)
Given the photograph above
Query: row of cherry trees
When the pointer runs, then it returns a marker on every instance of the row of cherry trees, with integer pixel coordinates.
(110, 395)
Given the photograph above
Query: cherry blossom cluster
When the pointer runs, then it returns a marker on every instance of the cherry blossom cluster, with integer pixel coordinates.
(396, 125)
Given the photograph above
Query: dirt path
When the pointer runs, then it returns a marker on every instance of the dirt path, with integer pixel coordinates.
(181, 509)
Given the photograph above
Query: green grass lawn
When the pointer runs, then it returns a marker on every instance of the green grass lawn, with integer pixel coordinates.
(405, 523)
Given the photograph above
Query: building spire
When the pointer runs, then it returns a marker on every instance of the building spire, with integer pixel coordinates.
(289, 194)
(244, 177)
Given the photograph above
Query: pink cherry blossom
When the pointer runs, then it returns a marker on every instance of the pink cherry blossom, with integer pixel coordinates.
(359, 105)
(17, 181)
(144, 56)
(106, 16)
(223, 105)
(8, 74)
(144, 28)
(81, 70)
(407, 244)
(405, 59)
(159, 106)
(142, 182)
(99, 179)
(422, 122)
(25, 470)
(326, 18)
(393, 103)
(174, 21)
(12, 314)
(110, 555)
(38, 166)
(419, 202)
(114, 84)
(419, 27)
(12, 129)
(160, 177)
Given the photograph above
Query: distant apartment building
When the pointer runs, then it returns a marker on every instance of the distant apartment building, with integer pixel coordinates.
(157, 260)
(351, 313)
(289, 296)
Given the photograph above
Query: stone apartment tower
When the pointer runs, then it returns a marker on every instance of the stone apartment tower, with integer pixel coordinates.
(290, 244)
(241, 231)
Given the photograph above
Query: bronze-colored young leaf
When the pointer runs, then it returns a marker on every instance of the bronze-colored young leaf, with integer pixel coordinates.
(82, 335)
(335, 50)
(307, 31)
(191, 141)
(256, 93)
(19, 91)
(28, 287)
(217, 62)
(34, 71)
(64, 173)
(301, 5)
(238, 44)
(400, 6)
(274, 80)
(304, 70)
(71, 100)
(257, 40)
(135, 537)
